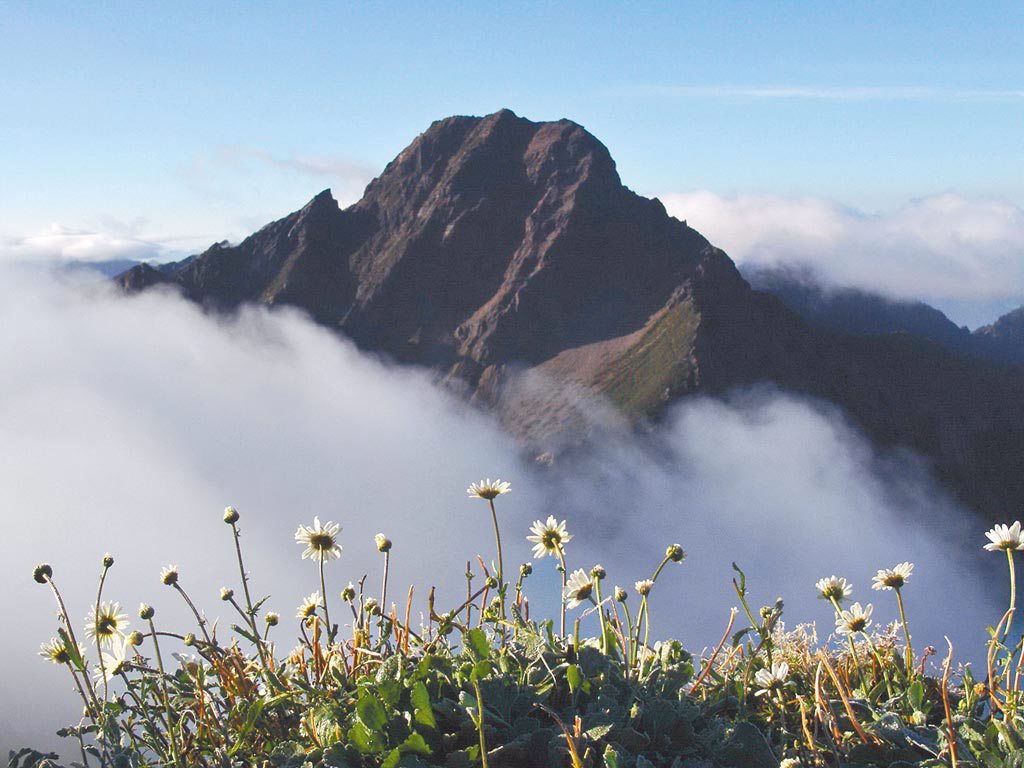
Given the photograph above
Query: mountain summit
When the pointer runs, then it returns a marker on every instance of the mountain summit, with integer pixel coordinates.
(508, 256)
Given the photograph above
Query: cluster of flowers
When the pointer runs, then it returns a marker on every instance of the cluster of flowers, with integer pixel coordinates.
(107, 626)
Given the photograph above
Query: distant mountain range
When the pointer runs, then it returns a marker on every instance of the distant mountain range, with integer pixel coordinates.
(861, 313)
(507, 256)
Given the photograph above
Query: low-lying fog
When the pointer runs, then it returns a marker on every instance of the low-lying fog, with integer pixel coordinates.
(126, 425)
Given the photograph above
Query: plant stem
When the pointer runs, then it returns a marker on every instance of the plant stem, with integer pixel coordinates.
(600, 616)
(248, 599)
(383, 597)
(327, 616)
(906, 634)
(469, 593)
(195, 611)
(853, 648)
(1013, 592)
(99, 651)
(629, 635)
(878, 658)
(167, 698)
(74, 640)
(645, 612)
(561, 560)
(501, 567)
(480, 721)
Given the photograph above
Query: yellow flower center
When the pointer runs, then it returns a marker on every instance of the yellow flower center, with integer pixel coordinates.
(106, 625)
(321, 541)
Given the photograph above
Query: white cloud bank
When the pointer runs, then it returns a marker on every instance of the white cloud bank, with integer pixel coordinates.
(935, 248)
(127, 425)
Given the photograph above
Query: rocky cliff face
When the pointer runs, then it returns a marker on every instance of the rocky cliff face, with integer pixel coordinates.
(508, 256)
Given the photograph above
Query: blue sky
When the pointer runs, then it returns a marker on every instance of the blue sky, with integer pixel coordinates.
(184, 123)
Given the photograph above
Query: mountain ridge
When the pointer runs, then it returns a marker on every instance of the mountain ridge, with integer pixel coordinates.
(508, 256)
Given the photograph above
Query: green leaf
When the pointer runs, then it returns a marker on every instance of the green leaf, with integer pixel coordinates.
(391, 761)
(416, 744)
(371, 712)
(742, 586)
(612, 759)
(477, 642)
(597, 732)
(915, 694)
(574, 676)
(334, 757)
(422, 712)
(481, 670)
(72, 649)
(247, 635)
(365, 740)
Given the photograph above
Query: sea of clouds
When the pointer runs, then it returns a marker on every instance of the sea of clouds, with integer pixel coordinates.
(961, 253)
(126, 425)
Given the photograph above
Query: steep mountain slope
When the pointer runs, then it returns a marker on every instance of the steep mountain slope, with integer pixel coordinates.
(862, 313)
(856, 312)
(508, 256)
(1003, 339)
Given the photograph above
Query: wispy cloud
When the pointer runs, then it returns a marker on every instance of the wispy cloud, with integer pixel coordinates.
(327, 166)
(835, 93)
(345, 172)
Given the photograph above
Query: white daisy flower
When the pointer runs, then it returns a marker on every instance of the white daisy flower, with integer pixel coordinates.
(321, 540)
(488, 489)
(643, 587)
(1005, 537)
(833, 588)
(771, 679)
(578, 588)
(114, 663)
(107, 625)
(55, 650)
(892, 578)
(857, 619)
(548, 538)
(169, 575)
(309, 605)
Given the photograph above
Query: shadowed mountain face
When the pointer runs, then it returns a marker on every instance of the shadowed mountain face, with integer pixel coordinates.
(860, 313)
(508, 256)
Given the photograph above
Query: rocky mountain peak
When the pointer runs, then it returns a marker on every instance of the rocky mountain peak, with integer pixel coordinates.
(507, 256)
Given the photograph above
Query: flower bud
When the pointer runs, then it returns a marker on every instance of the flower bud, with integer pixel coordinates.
(371, 607)
(525, 569)
(348, 594)
(621, 594)
(42, 573)
(169, 575)
(189, 640)
(383, 542)
(230, 515)
(226, 594)
(108, 560)
(675, 553)
(146, 612)
(272, 619)
(135, 638)
(598, 572)
(491, 582)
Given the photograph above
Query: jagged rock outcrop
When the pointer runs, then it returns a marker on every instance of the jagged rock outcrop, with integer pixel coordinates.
(508, 256)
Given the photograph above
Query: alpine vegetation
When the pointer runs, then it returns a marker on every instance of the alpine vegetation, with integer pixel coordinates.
(357, 681)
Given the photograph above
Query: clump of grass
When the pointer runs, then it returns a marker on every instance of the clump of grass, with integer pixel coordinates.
(499, 688)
